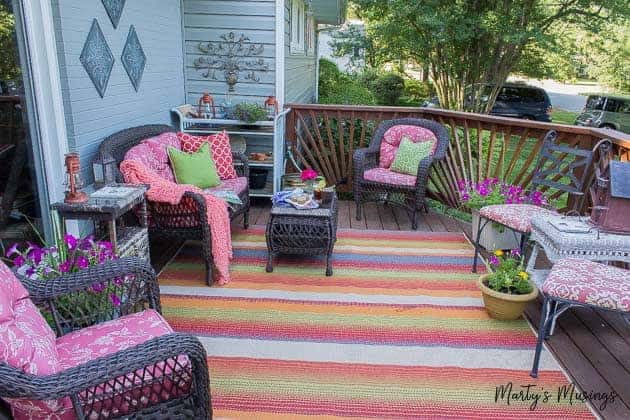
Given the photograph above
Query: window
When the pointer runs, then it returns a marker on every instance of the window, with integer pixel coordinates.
(297, 27)
(310, 35)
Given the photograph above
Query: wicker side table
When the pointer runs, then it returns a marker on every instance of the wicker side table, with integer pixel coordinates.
(302, 232)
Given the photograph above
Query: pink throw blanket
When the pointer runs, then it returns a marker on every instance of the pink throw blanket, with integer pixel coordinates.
(165, 191)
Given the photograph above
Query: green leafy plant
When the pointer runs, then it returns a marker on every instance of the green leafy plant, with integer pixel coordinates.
(388, 88)
(507, 273)
(249, 112)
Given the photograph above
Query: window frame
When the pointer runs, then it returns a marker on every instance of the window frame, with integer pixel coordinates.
(309, 33)
(297, 27)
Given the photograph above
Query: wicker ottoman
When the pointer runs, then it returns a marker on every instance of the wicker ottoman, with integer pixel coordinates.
(302, 232)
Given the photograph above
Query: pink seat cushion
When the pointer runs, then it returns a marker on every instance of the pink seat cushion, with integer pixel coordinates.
(589, 283)
(514, 216)
(385, 176)
(393, 136)
(237, 185)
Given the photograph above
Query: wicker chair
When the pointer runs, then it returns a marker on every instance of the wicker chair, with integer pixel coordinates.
(187, 219)
(406, 191)
(110, 361)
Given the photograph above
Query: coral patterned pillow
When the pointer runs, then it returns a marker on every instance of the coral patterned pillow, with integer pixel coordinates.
(221, 150)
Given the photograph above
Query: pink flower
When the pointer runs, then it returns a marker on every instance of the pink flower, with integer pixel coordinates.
(82, 262)
(70, 241)
(64, 267)
(19, 261)
(516, 253)
(98, 287)
(308, 174)
(493, 260)
(115, 299)
(465, 197)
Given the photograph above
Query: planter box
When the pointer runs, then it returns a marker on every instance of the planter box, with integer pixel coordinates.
(492, 238)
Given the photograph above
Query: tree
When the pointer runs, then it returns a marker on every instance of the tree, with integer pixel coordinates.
(9, 70)
(353, 42)
(472, 43)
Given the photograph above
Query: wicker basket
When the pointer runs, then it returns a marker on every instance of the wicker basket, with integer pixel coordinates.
(503, 306)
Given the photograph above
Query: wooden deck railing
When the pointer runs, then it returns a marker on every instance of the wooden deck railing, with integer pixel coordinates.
(324, 137)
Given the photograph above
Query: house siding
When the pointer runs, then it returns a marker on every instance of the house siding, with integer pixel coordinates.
(299, 69)
(207, 20)
(90, 118)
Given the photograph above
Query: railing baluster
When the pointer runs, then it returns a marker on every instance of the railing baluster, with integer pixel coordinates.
(331, 145)
(324, 162)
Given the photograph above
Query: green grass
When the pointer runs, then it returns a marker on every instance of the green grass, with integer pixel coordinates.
(560, 116)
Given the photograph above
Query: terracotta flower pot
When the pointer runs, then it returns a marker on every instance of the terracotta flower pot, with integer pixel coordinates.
(503, 306)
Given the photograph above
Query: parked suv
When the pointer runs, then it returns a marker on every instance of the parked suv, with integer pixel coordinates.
(517, 101)
(606, 111)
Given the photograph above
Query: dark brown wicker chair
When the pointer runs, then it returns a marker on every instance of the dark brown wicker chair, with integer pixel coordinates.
(165, 377)
(167, 220)
(412, 197)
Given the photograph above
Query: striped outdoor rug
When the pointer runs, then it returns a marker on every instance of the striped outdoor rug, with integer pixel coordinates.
(398, 331)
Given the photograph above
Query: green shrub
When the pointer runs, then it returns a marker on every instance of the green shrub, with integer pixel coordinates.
(350, 93)
(417, 91)
(330, 78)
(388, 88)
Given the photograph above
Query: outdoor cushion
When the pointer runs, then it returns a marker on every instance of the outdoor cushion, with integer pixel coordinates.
(410, 155)
(237, 185)
(385, 176)
(221, 150)
(196, 168)
(589, 283)
(514, 216)
(393, 137)
(145, 153)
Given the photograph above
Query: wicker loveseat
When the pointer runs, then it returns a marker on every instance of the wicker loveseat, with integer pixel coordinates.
(374, 181)
(105, 360)
(188, 218)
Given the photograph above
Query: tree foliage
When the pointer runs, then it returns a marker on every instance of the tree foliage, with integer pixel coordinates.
(9, 70)
(468, 43)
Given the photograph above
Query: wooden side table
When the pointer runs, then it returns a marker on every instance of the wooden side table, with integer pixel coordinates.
(302, 232)
(126, 240)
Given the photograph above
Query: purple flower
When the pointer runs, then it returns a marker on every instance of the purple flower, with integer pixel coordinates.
(493, 260)
(70, 241)
(118, 281)
(106, 245)
(87, 242)
(516, 253)
(115, 299)
(30, 271)
(98, 287)
(12, 250)
(82, 262)
(465, 197)
(64, 267)
(36, 255)
(19, 261)
(483, 190)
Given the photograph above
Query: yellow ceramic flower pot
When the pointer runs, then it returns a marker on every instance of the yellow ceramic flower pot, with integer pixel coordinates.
(502, 305)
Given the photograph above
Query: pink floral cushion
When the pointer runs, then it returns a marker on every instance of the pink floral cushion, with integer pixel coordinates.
(238, 185)
(589, 283)
(152, 153)
(393, 136)
(514, 216)
(385, 176)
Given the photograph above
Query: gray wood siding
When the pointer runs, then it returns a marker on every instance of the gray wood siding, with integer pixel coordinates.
(207, 20)
(299, 69)
(90, 118)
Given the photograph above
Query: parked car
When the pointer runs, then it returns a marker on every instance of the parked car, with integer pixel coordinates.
(517, 101)
(606, 111)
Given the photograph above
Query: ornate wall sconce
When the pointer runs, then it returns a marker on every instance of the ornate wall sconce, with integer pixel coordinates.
(231, 55)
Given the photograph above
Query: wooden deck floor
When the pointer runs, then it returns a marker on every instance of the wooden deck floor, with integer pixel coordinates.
(592, 346)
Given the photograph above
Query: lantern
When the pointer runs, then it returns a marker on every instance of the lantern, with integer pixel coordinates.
(206, 106)
(271, 105)
(73, 179)
(104, 170)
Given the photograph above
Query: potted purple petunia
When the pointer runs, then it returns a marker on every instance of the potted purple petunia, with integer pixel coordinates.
(69, 256)
(506, 288)
(490, 191)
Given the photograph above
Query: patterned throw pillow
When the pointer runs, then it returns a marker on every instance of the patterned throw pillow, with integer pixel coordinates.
(221, 150)
(194, 168)
(409, 156)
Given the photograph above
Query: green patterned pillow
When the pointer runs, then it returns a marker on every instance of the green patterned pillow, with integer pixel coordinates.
(409, 156)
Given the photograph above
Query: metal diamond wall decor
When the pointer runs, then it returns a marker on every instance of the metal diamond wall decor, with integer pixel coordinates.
(114, 9)
(133, 58)
(97, 58)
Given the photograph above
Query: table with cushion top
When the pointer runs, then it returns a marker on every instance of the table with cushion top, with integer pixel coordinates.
(302, 232)
(590, 245)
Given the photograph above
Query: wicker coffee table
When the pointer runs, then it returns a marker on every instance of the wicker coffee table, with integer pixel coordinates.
(302, 232)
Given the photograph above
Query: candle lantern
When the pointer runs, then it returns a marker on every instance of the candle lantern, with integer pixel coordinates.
(206, 106)
(271, 105)
(73, 179)
(104, 170)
